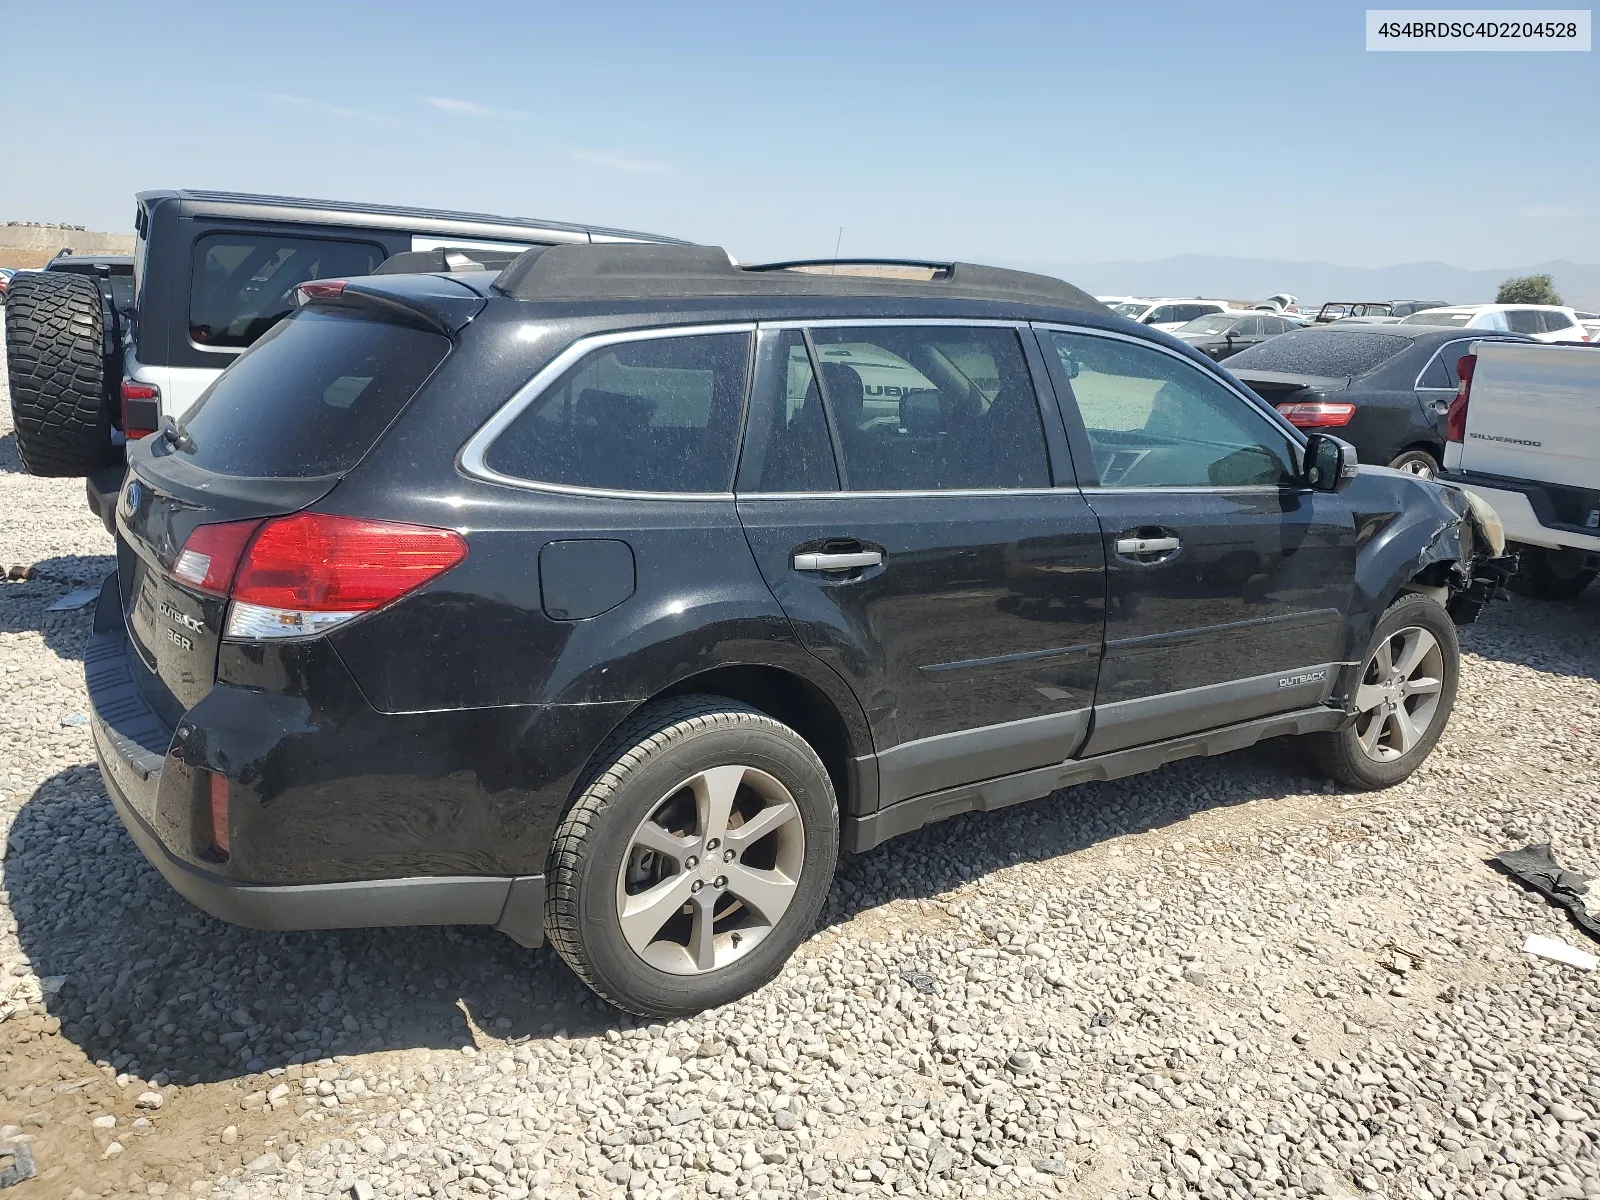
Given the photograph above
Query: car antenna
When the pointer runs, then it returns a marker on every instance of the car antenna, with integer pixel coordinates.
(837, 242)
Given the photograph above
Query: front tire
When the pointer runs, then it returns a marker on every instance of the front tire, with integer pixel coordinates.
(1403, 700)
(695, 860)
(1554, 574)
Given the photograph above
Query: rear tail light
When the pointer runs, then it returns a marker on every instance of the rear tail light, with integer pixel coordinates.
(298, 575)
(310, 572)
(1455, 421)
(217, 813)
(141, 409)
(1318, 414)
(211, 555)
(321, 289)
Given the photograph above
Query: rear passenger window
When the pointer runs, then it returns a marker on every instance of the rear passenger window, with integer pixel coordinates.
(243, 284)
(799, 454)
(932, 408)
(1555, 322)
(657, 415)
(1523, 320)
(1436, 374)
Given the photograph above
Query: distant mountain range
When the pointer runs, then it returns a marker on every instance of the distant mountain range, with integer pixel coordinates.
(1253, 278)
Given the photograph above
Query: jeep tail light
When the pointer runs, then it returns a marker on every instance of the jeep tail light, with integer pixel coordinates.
(141, 409)
(217, 813)
(1318, 414)
(1455, 421)
(211, 555)
(321, 289)
(309, 572)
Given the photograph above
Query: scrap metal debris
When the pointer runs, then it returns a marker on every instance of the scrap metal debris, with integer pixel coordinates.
(1536, 867)
(921, 980)
(21, 1167)
(1401, 960)
(1558, 951)
(74, 600)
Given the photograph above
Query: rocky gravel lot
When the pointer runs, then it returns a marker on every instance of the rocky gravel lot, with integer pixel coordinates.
(1221, 979)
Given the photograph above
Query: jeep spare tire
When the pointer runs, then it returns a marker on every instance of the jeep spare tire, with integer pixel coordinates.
(61, 391)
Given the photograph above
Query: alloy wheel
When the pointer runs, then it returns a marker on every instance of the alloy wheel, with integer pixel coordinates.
(711, 870)
(1398, 698)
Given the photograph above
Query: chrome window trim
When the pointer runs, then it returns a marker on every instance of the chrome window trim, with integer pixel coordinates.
(868, 322)
(923, 493)
(470, 458)
(1199, 489)
(233, 350)
(1255, 402)
(1443, 346)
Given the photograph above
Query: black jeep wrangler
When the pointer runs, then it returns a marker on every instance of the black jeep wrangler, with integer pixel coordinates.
(610, 596)
(211, 273)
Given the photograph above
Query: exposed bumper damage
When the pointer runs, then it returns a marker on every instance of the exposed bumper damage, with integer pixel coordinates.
(1475, 548)
(1418, 535)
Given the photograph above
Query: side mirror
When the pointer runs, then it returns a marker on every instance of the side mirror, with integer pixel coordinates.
(1330, 463)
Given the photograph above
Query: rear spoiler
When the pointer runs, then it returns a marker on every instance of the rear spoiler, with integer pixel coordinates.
(1322, 383)
(431, 301)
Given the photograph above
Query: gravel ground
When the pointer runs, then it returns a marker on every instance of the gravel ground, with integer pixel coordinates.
(1223, 978)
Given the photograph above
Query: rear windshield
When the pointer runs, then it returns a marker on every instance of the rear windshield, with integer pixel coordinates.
(312, 396)
(1320, 352)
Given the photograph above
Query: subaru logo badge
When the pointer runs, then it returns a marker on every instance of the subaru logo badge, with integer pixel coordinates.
(134, 494)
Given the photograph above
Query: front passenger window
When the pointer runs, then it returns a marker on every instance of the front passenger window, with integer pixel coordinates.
(1154, 420)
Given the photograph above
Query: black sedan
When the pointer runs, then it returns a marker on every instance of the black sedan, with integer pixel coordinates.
(1222, 335)
(1384, 388)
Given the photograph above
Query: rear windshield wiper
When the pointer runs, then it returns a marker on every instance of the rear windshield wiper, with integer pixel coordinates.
(173, 433)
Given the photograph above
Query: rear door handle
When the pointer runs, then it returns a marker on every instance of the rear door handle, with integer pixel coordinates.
(837, 562)
(1160, 545)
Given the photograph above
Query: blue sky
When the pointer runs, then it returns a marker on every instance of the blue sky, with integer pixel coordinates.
(1057, 132)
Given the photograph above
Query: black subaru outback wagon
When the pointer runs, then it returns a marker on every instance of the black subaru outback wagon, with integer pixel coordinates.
(609, 597)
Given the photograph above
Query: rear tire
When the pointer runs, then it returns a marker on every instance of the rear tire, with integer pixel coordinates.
(1403, 699)
(1550, 574)
(653, 897)
(60, 387)
(1420, 463)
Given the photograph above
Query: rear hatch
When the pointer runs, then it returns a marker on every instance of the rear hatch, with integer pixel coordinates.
(271, 436)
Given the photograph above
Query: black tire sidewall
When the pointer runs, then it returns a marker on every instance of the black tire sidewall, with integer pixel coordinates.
(1406, 612)
(619, 972)
(1405, 456)
(60, 379)
(1535, 576)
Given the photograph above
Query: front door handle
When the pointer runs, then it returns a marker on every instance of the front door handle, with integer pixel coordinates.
(1134, 545)
(817, 561)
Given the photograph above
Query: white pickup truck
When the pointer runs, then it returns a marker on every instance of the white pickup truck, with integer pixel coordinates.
(1524, 434)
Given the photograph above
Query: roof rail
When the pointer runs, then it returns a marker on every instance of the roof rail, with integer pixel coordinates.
(888, 268)
(643, 271)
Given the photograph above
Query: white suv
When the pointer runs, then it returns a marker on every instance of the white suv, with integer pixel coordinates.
(1542, 322)
(1168, 312)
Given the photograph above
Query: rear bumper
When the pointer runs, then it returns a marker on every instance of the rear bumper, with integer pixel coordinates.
(514, 904)
(1531, 512)
(152, 788)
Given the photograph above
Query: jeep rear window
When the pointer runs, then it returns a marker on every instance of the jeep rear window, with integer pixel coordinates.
(312, 396)
(1320, 352)
(242, 284)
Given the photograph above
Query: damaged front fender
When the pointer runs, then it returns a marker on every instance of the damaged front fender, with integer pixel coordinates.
(1414, 534)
